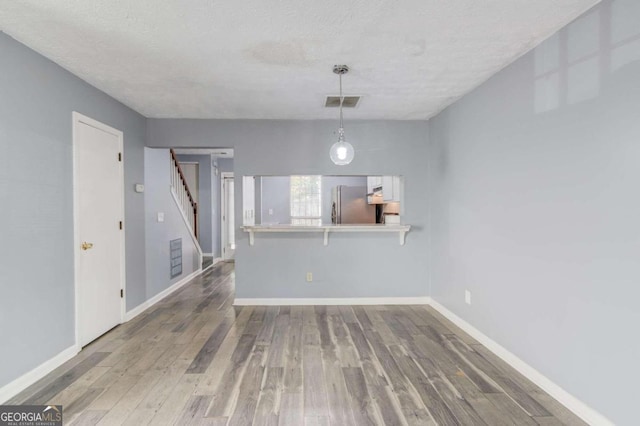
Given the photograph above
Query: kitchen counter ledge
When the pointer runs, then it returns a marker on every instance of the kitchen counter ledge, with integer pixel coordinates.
(327, 229)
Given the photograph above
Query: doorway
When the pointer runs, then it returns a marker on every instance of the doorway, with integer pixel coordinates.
(98, 181)
(227, 216)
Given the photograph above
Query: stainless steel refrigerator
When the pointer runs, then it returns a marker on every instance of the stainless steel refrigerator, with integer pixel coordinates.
(350, 206)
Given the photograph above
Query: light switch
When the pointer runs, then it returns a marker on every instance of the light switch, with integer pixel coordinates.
(160, 217)
(270, 211)
(139, 187)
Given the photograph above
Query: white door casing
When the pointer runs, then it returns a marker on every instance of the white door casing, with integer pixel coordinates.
(227, 218)
(98, 214)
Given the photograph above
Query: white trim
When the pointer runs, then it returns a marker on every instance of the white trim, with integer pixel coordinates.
(158, 297)
(572, 403)
(578, 407)
(326, 229)
(76, 119)
(186, 222)
(208, 254)
(333, 301)
(13, 388)
(223, 233)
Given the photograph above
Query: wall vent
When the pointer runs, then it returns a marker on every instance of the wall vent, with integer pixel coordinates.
(347, 101)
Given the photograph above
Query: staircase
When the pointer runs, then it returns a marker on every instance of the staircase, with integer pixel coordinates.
(183, 196)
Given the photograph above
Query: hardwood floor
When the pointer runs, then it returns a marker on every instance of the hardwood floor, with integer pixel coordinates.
(194, 359)
(206, 262)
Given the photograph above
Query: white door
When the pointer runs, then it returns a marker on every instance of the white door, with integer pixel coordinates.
(228, 219)
(98, 197)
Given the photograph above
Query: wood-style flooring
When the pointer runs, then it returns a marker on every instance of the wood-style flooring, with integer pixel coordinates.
(206, 262)
(194, 359)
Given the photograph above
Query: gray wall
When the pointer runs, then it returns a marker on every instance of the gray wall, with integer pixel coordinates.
(353, 265)
(225, 165)
(534, 208)
(36, 217)
(206, 212)
(158, 234)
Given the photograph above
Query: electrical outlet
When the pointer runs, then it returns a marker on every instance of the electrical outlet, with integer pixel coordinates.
(467, 297)
(270, 212)
(309, 277)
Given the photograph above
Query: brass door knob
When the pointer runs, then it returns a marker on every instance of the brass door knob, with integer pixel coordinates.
(86, 246)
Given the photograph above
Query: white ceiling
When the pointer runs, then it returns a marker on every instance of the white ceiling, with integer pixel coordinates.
(273, 59)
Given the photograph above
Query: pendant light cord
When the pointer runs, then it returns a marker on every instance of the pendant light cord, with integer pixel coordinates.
(341, 152)
(341, 126)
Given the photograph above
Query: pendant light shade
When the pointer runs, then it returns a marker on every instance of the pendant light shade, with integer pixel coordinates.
(341, 152)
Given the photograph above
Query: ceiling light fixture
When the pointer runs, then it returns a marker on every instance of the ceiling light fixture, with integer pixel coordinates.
(341, 152)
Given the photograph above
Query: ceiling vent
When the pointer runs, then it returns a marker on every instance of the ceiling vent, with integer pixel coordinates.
(347, 101)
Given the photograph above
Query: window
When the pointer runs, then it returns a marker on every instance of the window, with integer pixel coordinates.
(306, 200)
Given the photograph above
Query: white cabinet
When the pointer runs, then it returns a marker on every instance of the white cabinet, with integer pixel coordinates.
(391, 188)
(387, 189)
(397, 188)
(248, 201)
(373, 183)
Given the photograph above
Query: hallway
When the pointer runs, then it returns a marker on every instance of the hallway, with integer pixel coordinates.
(195, 359)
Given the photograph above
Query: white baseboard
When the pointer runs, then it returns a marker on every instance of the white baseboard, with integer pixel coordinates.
(158, 297)
(333, 301)
(578, 407)
(13, 388)
(208, 254)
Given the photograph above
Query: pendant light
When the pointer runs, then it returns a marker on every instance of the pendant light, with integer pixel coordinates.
(341, 152)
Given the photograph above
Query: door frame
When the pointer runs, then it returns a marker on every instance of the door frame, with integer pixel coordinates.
(223, 205)
(76, 120)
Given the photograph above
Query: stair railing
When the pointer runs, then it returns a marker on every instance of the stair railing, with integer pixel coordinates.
(181, 190)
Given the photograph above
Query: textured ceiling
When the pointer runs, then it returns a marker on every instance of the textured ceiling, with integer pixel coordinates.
(273, 59)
